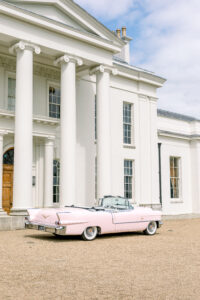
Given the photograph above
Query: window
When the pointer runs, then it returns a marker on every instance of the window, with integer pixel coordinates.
(127, 123)
(128, 179)
(175, 177)
(56, 181)
(11, 94)
(54, 102)
(8, 157)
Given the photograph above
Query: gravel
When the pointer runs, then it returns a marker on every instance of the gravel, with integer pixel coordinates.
(35, 265)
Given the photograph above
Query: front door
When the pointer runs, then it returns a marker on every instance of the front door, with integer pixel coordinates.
(7, 187)
(7, 193)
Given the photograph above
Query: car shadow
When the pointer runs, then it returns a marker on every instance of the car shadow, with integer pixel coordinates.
(53, 238)
(77, 238)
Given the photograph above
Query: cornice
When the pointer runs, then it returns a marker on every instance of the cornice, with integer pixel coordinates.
(58, 27)
(179, 135)
(9, 63)
(139, 75)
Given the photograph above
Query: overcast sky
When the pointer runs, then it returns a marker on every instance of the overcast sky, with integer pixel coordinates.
(166, 40)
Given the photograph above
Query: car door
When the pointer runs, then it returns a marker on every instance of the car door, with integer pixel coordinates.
(128, 220)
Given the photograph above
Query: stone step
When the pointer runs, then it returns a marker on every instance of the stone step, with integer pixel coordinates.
(11, 222)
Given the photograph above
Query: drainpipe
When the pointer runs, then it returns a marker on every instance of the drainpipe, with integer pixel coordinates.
(160, 171)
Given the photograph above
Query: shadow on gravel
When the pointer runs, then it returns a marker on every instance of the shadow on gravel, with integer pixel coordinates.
(60, 239)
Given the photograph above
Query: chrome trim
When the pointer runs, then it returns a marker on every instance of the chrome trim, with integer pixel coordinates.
(59, 230)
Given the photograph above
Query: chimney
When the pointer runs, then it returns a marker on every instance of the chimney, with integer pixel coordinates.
(124, 31)
(125, 53)
(118, 31)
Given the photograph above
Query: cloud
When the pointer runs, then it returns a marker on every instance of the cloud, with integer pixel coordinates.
(165, 40)
(106, 9)
(168, 44)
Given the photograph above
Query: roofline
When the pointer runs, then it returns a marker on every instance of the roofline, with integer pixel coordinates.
(178, 135)
(177, 116)
(85, 36)
(117, 40)
(153, 79)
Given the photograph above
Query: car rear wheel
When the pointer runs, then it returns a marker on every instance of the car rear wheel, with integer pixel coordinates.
(89, 233)
(151, 228)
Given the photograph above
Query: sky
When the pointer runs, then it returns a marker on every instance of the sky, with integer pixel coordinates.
(165, 40)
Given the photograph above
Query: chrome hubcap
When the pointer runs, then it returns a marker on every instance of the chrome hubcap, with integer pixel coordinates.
(151, 227)
(90, 231)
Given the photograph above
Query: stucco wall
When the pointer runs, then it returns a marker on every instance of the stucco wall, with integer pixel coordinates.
(181, 149)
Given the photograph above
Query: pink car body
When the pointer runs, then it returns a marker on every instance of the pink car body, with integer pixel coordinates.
(75, 220)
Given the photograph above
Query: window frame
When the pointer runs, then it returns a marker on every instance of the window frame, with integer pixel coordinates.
(54, 84)
(57, 186)
(132, 144)
(11, 75)
(132, 200)
(179, 198)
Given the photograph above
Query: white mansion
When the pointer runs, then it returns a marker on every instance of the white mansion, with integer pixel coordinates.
(78, 122)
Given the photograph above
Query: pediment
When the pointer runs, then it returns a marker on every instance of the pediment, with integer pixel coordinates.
(69, 13)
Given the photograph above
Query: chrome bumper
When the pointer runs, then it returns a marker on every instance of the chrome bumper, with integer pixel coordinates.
(59, 230)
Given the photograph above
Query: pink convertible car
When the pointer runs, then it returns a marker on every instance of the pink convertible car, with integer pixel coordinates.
(114, 214)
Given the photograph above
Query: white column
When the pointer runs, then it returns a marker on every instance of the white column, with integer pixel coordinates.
(48, 172)
(22, 192)
(68, 129)
(1, 174)
(103, 131)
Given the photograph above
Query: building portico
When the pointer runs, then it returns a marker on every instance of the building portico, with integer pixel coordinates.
(80, 121)
(23, 125)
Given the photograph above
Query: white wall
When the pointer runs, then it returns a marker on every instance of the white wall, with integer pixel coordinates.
(177, 148)
(195, 168)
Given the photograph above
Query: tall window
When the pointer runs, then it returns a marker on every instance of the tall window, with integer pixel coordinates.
(54, 102)
(127, 123)
(11, 94)
(128, 179)
(175, 177)
(56, 181)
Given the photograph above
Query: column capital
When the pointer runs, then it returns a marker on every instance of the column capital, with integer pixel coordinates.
(102, 69)
(2, 133)
(65, 59)
(49, 141)
(20, 46)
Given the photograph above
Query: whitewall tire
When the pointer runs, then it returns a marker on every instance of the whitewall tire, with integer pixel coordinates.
(151, 228)
(89, 233)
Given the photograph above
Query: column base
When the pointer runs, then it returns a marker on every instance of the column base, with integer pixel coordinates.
(18, 212)
(2, 213)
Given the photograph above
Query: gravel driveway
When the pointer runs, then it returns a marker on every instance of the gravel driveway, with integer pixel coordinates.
(36, 265)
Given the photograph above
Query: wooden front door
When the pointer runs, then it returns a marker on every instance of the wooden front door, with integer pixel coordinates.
(7, 193)
(7, 197)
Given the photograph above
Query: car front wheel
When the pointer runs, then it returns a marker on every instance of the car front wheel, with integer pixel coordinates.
(151, 228)
(89, 233)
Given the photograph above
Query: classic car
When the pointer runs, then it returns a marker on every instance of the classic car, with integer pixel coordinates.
(111, 215)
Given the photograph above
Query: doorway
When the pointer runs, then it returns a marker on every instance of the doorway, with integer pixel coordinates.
(7, 192)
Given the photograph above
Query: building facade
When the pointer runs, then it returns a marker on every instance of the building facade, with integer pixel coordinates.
(78, 122)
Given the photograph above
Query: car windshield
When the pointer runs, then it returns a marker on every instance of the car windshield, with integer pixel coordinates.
(115, 202)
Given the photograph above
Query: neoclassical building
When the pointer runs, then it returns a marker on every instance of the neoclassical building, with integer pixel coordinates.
(78, 122)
